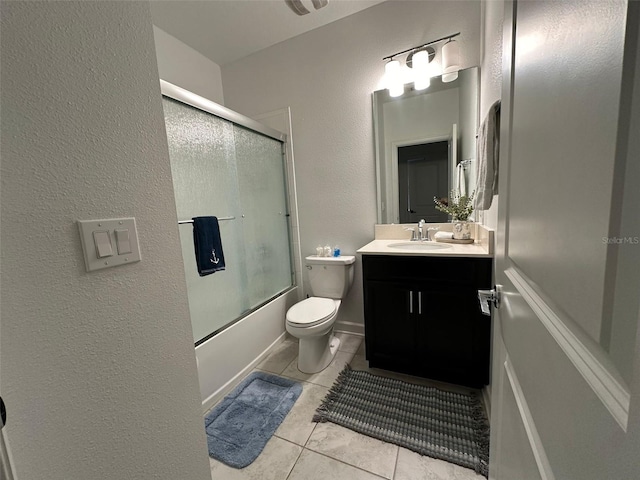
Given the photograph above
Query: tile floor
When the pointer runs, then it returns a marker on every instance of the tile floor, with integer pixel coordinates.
(303, 450)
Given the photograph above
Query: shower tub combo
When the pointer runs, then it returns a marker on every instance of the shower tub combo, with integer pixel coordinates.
(230, 166)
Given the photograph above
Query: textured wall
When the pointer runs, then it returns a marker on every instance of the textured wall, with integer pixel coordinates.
(98, 369)
(181, 65)
(327, 77)
(491, 75)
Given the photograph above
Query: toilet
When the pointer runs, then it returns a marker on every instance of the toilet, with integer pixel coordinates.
(312, 319)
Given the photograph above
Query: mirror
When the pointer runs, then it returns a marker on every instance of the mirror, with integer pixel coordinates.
(425, 147)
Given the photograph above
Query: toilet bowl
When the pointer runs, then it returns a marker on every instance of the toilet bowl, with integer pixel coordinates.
(312, 319)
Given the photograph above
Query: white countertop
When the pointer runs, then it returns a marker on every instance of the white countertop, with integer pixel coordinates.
(381, 247)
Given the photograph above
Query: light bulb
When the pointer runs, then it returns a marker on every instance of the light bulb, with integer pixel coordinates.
(393, 79)
(420, 66)
(450, 61)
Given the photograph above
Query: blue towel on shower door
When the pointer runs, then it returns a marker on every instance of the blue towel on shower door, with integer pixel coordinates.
(208, 245)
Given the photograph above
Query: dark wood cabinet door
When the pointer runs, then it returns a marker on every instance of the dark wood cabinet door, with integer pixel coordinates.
(422, 317)
(451, 345)
(390, 324)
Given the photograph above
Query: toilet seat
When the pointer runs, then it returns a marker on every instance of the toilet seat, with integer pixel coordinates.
(311, 311)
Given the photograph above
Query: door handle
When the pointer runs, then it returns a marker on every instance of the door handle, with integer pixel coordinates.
(488, 298)
(419, 303)
(410, 301)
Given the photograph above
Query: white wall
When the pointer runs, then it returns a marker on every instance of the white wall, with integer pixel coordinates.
(98, 369)
(183, 66)
(327, 77)
(491, 76)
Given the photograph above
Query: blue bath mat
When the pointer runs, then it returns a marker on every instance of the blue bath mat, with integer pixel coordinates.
(240, 426)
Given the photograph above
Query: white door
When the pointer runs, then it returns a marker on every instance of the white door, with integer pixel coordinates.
(565, 394)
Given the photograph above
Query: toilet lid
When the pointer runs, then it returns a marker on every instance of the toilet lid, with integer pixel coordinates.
(311, 311)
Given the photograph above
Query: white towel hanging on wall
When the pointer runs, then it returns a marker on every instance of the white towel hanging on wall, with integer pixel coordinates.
(461, 179)
(488, 146)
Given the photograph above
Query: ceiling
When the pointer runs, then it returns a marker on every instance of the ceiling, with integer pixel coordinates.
(227, 30)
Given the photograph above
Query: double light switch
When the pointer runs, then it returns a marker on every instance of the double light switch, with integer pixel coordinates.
(122, 241)
(109, 243)
(102, 239)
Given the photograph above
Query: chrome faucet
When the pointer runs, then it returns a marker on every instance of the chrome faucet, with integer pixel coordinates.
(429, 230)
(414, 236)
(420, 232)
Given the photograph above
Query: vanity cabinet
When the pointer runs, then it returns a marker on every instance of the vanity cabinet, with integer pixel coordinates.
(422, 317)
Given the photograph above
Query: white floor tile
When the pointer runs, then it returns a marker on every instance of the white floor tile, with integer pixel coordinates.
(274, 463)
(332, 452)
(413, 466)
(280, 358)
(349, 343)
(354, 448)
(298, 424)
(358, 362)
(326, 377)
(313, 466)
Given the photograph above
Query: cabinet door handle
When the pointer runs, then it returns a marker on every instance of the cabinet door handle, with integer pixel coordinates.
(410, 301)
(419, 303)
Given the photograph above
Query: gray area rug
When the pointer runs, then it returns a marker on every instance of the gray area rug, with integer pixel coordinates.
(240, 426)
(444, 425)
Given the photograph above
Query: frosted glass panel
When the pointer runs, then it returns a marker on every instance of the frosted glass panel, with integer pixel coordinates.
(224, 170)
(205, 182)
(262, 184)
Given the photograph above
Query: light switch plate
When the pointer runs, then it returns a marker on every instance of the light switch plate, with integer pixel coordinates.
(110, 225)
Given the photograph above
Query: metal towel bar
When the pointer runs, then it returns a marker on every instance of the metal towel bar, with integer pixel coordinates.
(219, 218)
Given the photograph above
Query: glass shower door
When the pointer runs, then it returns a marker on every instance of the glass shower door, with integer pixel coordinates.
(223, 169)
(261, 180)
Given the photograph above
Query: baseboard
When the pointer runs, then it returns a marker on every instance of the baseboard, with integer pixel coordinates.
(216, 396)
(350, 327)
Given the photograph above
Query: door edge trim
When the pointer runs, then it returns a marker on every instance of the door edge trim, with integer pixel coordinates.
(539, 453)
(613, 395)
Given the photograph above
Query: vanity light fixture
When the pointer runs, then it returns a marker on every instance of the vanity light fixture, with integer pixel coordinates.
(419, 60)
(417, 63)
(393, 78)
(450, 61)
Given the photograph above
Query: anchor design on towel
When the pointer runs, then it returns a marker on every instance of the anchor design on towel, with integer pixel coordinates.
(215, 260)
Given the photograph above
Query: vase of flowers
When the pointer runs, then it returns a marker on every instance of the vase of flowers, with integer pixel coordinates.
(460, 207)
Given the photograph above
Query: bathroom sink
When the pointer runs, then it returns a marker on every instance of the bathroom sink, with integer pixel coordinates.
(419, 246)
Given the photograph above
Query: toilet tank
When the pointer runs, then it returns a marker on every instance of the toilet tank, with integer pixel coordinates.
(330, 277)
